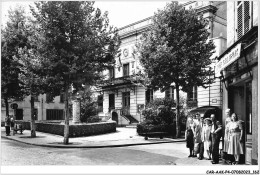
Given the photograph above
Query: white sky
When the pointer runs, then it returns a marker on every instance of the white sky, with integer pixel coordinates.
(120, 13)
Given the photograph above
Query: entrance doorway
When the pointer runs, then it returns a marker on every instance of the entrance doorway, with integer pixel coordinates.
(240, 102)
(126, 103)
(111, 102)
(115, 117)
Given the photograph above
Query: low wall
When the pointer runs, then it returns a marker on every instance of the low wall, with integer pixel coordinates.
(75, 130)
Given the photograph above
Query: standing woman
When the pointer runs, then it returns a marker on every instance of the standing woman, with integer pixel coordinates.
(205, 137)
(189, 136)
(226, 157)
(236, 133)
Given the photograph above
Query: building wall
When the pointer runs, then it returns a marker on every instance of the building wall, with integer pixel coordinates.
(231, 23)
(210, 96)
(251, 151)
(40, 105)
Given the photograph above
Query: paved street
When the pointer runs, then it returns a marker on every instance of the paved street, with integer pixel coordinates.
(123, 147)
(15, 153)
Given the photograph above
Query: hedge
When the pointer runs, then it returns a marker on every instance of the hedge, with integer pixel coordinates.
(77, 130)
(170, 129)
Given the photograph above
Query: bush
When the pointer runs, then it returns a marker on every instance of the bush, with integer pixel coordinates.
(74, 130)
(159, 112)
(160, 116)
(87, 110)
(93, 119)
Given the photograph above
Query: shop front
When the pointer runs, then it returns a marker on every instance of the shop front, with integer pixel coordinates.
(238, 70)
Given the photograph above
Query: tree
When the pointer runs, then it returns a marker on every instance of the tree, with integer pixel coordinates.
(30, 75)
(176, 49)
(79, 44)
(12, 38)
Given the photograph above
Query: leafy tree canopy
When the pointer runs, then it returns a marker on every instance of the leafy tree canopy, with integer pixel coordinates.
(176, 49)
(12, 38)
(79, 43)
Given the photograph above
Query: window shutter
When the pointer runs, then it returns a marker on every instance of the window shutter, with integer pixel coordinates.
(240, 21)
(243, 18)
(246, 16)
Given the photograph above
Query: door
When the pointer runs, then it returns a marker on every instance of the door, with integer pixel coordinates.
(115, 117)
(126, 103)
(19, 114)
(111, 102)
(248, 124)
(35, 114)
(249, 110)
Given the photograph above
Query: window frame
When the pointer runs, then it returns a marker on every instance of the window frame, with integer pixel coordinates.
(111, 73)
(126, 72)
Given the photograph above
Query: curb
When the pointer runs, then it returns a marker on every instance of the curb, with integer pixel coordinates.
(89, 146)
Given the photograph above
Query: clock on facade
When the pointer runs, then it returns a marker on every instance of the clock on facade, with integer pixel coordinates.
(125, 52)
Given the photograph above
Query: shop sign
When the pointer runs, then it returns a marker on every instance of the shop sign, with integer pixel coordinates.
(229, 58)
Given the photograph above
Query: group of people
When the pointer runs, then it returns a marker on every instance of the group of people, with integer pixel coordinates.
(204, 134)
(9, 124)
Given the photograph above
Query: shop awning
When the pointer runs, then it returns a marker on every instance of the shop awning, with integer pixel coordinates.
(227, 59)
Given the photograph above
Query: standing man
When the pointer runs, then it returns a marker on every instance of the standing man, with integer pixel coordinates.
(215, 138)
(7, 125)
(198, 137)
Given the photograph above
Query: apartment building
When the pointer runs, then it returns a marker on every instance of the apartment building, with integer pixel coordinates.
(237, 69)
(123, 97)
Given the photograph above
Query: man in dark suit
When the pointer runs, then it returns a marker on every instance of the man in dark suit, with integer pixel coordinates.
(215, 138)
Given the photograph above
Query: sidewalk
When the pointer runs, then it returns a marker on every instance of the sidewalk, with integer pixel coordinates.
(122, 137)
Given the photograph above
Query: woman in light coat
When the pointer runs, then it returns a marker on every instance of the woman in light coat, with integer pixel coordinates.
(205, 137)
(235, 138)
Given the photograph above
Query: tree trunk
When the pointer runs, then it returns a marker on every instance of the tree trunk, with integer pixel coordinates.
(6, 107)
(33, 128)
(177, 111)
(66, 125)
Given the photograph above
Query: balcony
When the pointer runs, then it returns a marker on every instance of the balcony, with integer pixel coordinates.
(127, 80)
